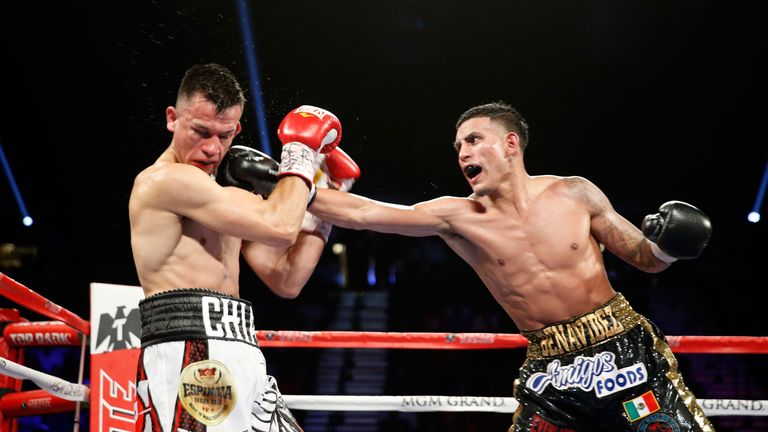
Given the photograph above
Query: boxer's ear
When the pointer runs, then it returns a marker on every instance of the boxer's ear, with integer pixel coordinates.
(171, 115)
(512, 142)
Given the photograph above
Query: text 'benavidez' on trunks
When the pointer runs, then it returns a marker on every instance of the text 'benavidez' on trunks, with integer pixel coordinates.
(609, 320)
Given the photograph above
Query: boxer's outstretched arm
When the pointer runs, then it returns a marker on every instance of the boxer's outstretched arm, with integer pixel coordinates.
(357, 212)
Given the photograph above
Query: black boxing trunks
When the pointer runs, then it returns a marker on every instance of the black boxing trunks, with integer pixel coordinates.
(201, 369)
(608, 370)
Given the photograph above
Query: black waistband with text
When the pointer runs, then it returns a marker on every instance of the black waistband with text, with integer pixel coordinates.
(185, 314)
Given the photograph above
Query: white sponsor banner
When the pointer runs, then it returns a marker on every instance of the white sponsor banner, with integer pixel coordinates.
(725, 407)
(115, 343)
(115, 322)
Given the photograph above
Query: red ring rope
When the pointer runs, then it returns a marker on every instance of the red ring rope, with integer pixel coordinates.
(31, 300)
(412, 340)
(54, 333)
(33, 402)
(41, 333)
(350, 339)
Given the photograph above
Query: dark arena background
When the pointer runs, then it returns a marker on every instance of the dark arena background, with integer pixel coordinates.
(650, 100)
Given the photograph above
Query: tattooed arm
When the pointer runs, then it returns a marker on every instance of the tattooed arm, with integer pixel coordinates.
(616, 233)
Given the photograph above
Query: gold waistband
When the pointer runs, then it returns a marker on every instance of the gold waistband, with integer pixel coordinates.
(611, 319)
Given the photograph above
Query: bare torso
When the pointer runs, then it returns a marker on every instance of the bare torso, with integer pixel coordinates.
(539, 261)
(172, 251)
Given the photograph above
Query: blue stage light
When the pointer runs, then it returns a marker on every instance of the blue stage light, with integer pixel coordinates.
(754, 215)
(249, 48)
(25, 217)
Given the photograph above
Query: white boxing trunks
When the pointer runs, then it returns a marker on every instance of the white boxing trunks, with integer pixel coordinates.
(201, 368)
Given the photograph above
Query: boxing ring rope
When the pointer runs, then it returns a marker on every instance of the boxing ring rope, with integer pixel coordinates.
(428, 403)
(410, 403)
(24, 296)
(56, 333)
(62, 391)
(70, 330)
(51, 384)
(33, 301)
(411, 340)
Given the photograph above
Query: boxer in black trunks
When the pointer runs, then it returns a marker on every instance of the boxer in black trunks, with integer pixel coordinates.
(535, 241)
(200, 366)
(607, 370)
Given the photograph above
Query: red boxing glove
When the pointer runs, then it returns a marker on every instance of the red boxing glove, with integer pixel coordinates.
(304, 132)
(341, 169)
(314, 127)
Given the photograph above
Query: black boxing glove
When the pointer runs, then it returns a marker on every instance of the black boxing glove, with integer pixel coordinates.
(248, 169)
(678, 230)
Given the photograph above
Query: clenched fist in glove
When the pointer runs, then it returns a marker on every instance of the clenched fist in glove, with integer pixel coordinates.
(678, 230)
(305, 132)
(248, 169)
(342, 171)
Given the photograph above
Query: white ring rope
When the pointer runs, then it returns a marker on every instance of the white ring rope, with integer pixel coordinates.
(51, 384)
(712, 407)
(410, 403)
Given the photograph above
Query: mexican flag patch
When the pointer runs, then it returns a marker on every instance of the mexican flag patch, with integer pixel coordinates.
(641, 406)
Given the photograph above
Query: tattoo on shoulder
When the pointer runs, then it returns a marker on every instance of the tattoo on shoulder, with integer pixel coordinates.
(586, 192)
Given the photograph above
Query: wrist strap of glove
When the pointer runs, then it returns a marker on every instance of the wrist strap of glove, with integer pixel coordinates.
(312, 195)
(660, 254)
(299, 160)
(313, 224)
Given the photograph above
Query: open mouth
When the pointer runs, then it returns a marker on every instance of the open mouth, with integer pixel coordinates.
(472, 171)
(203, 165)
